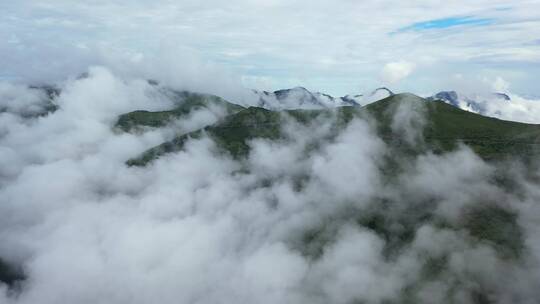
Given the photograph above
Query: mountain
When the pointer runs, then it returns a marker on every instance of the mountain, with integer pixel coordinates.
(475, 103)
(397, 213)
(382, 91)
(29, 102)
(377, 94)
(286, 99)
(301, 98)
(187, 103)
(446, 126)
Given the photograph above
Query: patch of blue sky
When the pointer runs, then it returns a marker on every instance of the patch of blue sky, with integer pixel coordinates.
(444, 23)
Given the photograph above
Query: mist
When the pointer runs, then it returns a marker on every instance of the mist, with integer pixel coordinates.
(288, 224)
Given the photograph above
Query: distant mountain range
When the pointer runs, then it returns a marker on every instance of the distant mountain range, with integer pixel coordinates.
(301, 98)
(475, 103)
(449, 125)
(285, 99)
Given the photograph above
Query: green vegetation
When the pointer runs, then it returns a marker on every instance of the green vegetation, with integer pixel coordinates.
(441, 128)
(446, 127)
(235, 131)
(188, 103)
(498, 227)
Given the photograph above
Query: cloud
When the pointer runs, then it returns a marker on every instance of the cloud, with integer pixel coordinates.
(517, 109)
(294, 222)
(409, 121)
(394, 72)
(70, 37)
(20, 100)
(480, 91)
(501, 85)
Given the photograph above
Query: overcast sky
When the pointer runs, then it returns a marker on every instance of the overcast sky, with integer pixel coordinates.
(337, 47)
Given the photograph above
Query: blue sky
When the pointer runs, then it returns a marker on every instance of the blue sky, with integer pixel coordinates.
(449, 22)
(337, 47)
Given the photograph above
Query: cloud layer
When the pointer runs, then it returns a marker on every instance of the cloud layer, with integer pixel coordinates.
(289, 224)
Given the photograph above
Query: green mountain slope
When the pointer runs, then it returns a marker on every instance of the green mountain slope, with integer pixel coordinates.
(439, 127)
(447, 125)
(190, 102)
(444, 128)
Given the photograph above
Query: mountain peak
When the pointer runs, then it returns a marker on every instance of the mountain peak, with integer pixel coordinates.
(450, 97)
(502, 96)
(300, 98)
(382, 89)
(477, 103)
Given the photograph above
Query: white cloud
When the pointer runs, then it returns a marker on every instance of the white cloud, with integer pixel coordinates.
(501, 85)
(393, 72)
(201, 227)
(355, 37)
(517, 109)
(196, 226)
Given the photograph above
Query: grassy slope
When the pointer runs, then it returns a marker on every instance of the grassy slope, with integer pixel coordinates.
(190, 102)
(446, 126)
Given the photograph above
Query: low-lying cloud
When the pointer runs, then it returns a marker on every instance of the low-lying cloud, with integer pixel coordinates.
(289, 224)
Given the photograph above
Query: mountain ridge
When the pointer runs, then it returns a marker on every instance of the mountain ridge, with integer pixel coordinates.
(475, 103)
(447, 126)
